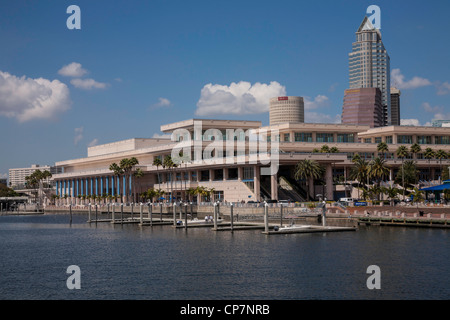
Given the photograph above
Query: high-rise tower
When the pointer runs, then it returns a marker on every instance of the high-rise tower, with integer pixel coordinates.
(369, 65)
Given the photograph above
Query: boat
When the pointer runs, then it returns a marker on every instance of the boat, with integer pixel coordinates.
(292, 227)
(196, 221)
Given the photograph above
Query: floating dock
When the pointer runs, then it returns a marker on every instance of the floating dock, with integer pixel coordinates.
(309, 229)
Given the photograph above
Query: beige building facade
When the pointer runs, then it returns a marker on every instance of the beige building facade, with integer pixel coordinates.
(235, 158)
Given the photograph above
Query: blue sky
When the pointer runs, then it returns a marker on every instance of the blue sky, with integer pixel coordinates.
(135, 65)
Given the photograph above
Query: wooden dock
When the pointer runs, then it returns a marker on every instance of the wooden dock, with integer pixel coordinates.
(312, 229)
(405, 222)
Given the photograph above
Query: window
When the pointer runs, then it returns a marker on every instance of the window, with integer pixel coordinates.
(287, 137)
(377, 139)
(442, 140)
(324, 137)
(404, 139)
(368, 140)
(303, 137)
(424, 139)
(389, 139)
(345, 137)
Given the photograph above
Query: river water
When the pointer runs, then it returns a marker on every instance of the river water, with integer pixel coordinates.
(161, 262)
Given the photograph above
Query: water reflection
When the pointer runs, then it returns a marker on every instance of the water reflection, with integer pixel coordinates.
(161, 262)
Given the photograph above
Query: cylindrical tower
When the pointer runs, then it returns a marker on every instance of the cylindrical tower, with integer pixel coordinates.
(287, 110)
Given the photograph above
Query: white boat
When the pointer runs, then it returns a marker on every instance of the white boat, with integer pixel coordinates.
(196, 221)
(292, 227)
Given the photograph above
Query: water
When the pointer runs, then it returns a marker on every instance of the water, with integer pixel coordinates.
(161, 262)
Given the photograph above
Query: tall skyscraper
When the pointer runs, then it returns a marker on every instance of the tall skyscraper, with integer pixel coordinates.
(363, 106)
(369, 65)
(395, 106)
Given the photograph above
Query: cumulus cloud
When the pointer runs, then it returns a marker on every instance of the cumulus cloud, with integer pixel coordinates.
(73, 69)
(443, 88)
(162, 102)
(26, 99)
(93, 143)
(315, 117)
(398, 80)
(237, 98)
(318, 102)
(78, 135)
(409, 122)
(88, 84)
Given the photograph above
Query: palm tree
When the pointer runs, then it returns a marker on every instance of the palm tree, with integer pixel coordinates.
(117, 170)
(170, 165)
(359, 172)
(383, 148)
(191, 192)
(325, 149)
(127, 165)
(378, 170)
(391, 193)
(402, 152)
(441, 154)
(157, 162)
(334, 150)
(307, 169)
(356, 157)
(407, 174)
(429, 154)
(138, 174)
(415, 149)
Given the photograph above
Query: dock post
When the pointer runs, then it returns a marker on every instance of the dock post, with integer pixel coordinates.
(140, 213)
(70, 208)
(281, 215)
(192, 214)
(174, 214)
(266, 217)
(231, 217)
(113, 211)
(324, 209)
(215, 216)
(181, 212)
(89, 216)
(96, 215)
(185, 215)
(150, 213)
(121, 213)
(132, 207)
(160, 211)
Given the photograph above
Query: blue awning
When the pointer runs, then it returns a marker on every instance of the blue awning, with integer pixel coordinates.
(445, 186)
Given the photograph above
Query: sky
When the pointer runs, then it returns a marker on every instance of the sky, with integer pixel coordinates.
(136, 65)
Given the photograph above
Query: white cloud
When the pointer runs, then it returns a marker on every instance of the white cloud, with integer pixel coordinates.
(237, 98)
(315, 117)
(73, 69)
(26, 99)
(3, 175)
(88, 84)
(163, 102)
(93, 143)
(318, 102)
(437, 111)
(428, 108)
(409, 122)
(78, 135)
(443, 88)
(398, 80)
